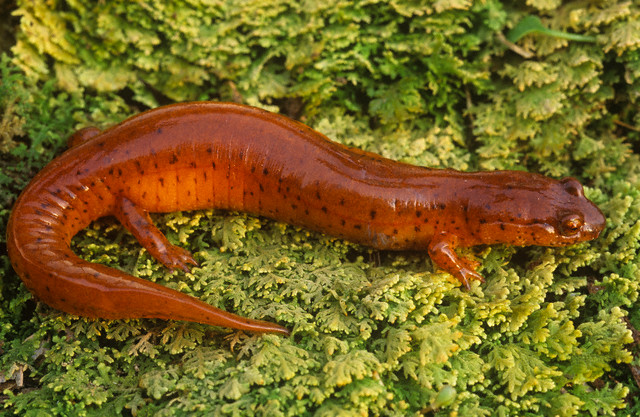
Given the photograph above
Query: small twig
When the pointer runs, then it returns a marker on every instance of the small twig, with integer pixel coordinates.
(236, 97)
(626, 125)
(515, 48)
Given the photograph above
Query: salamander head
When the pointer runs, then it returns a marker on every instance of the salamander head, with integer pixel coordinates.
(536, 210)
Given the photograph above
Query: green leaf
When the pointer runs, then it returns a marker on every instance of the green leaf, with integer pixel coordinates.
(532, 24)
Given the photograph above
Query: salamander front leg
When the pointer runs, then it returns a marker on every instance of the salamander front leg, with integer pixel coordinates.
(442, 252)
(138, 222)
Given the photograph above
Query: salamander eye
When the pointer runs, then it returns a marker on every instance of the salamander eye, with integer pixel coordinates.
(571, 225)
(572, 186)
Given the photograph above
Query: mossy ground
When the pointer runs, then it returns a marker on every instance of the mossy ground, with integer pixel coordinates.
(449, 83)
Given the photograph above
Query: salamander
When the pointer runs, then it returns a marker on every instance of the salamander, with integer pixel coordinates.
(201, 155)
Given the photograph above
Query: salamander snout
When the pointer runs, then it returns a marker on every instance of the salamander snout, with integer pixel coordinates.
(594, 223)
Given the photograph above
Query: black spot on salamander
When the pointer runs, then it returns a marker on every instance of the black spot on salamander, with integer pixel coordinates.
(288, 189)
(372, 214)
(251, 193)
(416, 228)
(482, 221)
(318, 195)
(502, 227)
(174, 159)
(178, 179)
(213, 164)
(343, 222)
(39, 212)
(357, 226)
(205, 175)
(209, 150)
(241, 155)
(342, 201)
(192, 164)
(294, 206)
(159, 131)
(265, 171)
(395, 231)
(487, 207)
(161, 181)
(306, 211)
(155, 165)
(111, 171)
(442, 206)
(324, 209)
(418, 213)
(144, 194)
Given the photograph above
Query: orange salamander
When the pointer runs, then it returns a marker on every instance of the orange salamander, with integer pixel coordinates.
(201, 155)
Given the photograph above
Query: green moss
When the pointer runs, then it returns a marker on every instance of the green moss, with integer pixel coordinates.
(373, 333)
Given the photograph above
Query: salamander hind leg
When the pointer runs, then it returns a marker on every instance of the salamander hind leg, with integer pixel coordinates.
(442, 252)
(138, 222)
